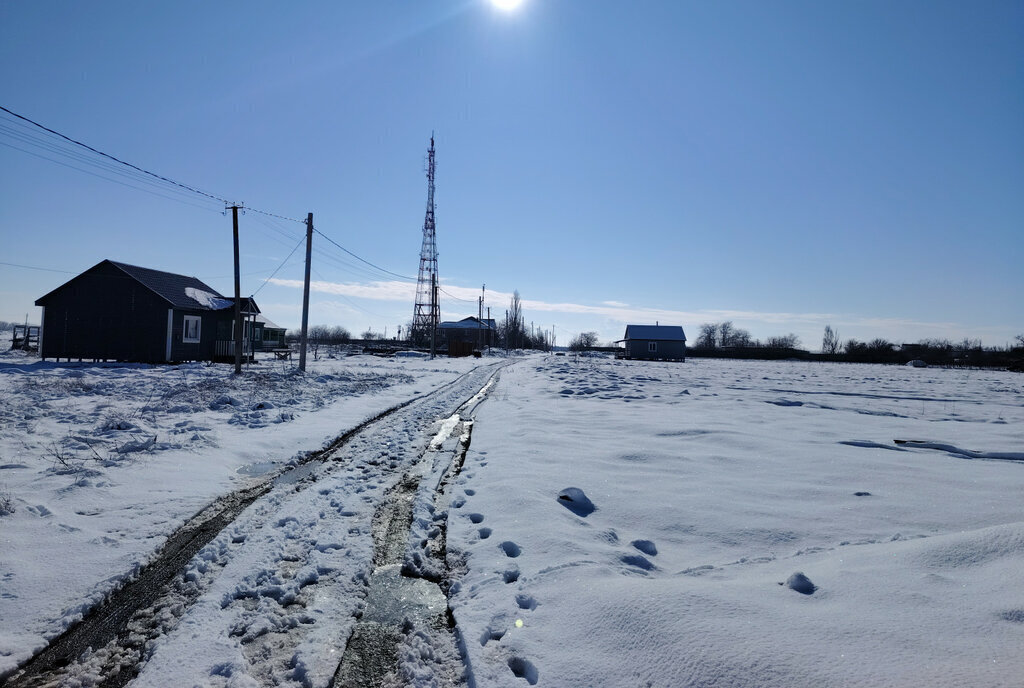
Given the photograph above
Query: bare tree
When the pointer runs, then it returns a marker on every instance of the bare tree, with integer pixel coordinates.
(830, 342)
(315, 338)
(741, 338)
(1020, 339)
(583, 341)
(515, 324)
(725, 333)
(707, 336)
(339, 335)
(787, 341)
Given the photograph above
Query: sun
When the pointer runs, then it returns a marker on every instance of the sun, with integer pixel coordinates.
(507, 5)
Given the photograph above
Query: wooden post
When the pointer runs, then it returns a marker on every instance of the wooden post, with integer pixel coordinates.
(305, 295)
(238, 297)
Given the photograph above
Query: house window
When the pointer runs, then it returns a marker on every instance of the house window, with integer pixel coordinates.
(652, 347)
(191, 329)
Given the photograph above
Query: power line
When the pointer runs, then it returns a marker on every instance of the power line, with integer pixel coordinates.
(32, 267)
(359, 258)
(443, 291)
(100, 176)
(279, 267)
(117, 160)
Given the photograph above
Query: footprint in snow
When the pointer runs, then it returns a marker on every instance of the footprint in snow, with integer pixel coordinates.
(476, 518)
(646, 546)
(522, 668)
(576, 501)
(511, 549)
(526, 602)
(638, 561)
(800, 583)
(491, 633)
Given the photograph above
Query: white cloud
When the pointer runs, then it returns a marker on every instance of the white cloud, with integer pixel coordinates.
(378, 291)
(615, 314)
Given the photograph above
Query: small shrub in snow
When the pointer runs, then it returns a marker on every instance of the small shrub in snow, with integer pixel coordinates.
(6, 503)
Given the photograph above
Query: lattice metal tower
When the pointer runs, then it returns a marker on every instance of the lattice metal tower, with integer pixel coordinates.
(427, 311)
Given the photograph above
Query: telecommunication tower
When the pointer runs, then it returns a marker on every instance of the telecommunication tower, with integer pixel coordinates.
(427, 311)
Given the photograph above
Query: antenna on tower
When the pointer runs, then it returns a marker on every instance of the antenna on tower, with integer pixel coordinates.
(427, 311)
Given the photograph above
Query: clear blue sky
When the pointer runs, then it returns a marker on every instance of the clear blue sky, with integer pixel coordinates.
(784, 165)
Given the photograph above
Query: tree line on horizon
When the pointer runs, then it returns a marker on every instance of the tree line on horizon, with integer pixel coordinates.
(725, 339)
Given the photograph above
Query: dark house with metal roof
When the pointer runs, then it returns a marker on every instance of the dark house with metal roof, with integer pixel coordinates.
(120, 312)
(469, 332)
(655, 342)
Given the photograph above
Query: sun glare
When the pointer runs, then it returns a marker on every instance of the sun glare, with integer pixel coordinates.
(507, 5)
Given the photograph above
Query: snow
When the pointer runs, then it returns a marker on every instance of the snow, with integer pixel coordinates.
(713, 522)
(101, 462)
(721, 491)
(208, 300)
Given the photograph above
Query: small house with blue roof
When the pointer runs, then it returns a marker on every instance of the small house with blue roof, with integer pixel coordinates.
(654, 342)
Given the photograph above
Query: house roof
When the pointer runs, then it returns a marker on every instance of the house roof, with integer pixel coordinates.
(470, 323)
(177, 290)
(671, 333)
(267, 324)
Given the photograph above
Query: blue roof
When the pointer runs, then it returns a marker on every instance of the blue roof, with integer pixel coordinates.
(469, 323)
(670, 333)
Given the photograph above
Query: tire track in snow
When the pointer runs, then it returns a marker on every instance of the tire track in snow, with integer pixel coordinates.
(407, 631)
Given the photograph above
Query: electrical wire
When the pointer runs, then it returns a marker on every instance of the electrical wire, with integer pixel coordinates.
(100, 176)
(443, 291)
(32, 267)
(112, 165)
(107, 156)
(117, 160)
(279, 267)
(361, 259)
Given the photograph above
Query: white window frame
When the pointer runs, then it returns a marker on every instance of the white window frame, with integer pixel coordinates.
(197, 332)
(652, 347)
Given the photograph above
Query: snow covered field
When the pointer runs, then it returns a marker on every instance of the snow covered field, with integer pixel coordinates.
(98, 464)
(716, 481)
(712, 482)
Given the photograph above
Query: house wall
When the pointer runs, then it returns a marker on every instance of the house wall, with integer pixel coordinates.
(104, 314)
(194, 351)
(468, 335)
(638, 348)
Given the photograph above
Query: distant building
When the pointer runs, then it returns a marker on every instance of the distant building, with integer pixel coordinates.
(462, 337)
(120, 312)
(655, 342)
(267, 335)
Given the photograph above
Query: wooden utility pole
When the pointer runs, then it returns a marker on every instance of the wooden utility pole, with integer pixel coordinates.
(303, 338)
(479, 318)
(238, 296)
